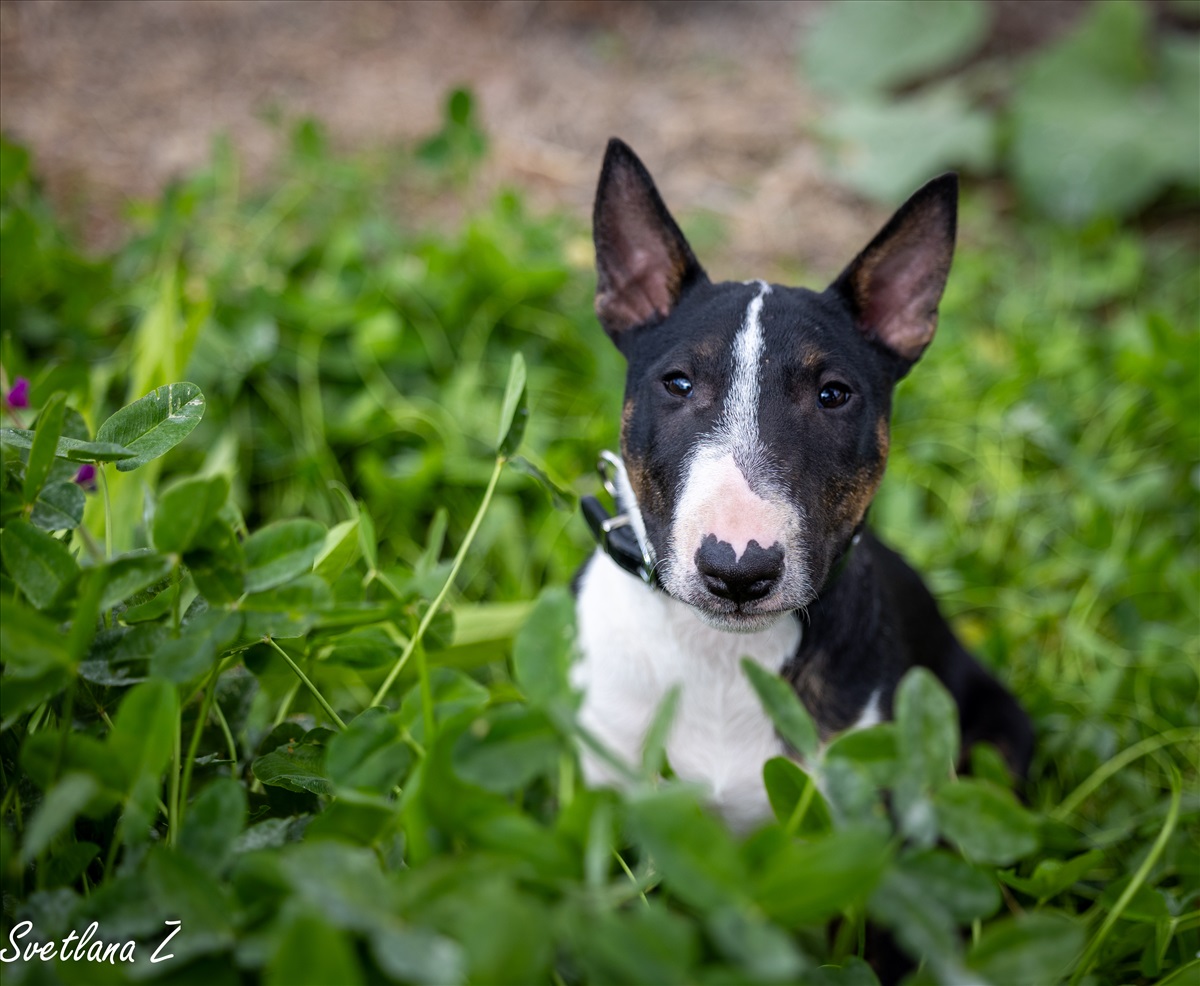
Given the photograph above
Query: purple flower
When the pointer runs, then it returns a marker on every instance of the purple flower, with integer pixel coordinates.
(19, 395)
(86, 477)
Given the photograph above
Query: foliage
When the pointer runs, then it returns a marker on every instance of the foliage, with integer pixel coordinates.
(1103, 122)
(296, 682)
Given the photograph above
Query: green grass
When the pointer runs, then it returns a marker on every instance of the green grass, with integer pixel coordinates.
(177, 662)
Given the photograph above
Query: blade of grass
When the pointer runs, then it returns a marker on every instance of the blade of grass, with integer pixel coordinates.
(1143, 871)
(194, 745)
(307, 683)
(427, 619)
(1118, 763)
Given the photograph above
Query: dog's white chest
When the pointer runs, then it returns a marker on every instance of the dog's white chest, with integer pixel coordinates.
(636, 644)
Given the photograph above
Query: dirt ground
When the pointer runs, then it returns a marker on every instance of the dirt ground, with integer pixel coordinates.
(117, 98)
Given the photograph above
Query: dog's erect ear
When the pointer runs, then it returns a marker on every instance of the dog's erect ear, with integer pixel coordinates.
(643, 263)
(895, 284)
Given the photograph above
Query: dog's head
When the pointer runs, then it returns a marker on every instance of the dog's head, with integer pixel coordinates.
(755, 425)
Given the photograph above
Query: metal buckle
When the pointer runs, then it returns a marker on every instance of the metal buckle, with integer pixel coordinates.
(611, 469)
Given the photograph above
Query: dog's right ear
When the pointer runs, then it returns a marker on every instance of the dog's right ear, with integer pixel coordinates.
(643, 262)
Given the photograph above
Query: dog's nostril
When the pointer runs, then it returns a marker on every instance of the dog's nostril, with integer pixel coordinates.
(717, 586)
(740, 580)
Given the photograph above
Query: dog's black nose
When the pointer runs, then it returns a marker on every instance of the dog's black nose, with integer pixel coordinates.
(739, 580)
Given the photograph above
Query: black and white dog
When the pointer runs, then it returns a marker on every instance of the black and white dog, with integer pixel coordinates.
(754, 435)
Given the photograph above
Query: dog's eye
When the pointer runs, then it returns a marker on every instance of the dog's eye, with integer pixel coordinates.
(834, 395)
(678, 385)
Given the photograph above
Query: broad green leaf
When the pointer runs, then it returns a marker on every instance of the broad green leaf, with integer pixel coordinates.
(338, 552)
(158, 605)
(213, 823)
(852, 972)
(31, 644)
(143, 732)
(782, 704)
(41, 566)
(280, 552)
(966, 892)
(873, 749)
(927, 742)
(922, 924)
(787, 786)
(298, 766)
(286, 611)
(1034, 947)
(45, 752)
(218, 563)
(562, 499)
(642, 945)
(1052, 876)
(357, 817)
(58, 507)
(986, 822)
(70, 448)
(37, 663)
(68, 863)
(926, 728)
(694, 851)
(862, 45)
(369, 754)
(75, 428)
(544, 649)
(185, 509)
(131, 573)
(203, 640)
(888, 149)
(514, 412)
(453, 693)
(58, 809)
(506, 748)
(154, 424)
(1102, 123)
(809, 882)
(367, 543)
(654, 747)
(365, 647)
(420, 955)
(763, 950)
(45, 443)
(311, 952)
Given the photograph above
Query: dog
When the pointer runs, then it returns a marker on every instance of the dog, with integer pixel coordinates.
(754, 434)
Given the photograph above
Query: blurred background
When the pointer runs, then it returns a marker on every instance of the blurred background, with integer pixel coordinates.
(775, 117)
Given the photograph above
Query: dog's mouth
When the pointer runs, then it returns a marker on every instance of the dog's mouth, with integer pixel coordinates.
(722, 614)
(741, 622)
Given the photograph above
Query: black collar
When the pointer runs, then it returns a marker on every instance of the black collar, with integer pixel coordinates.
(617, 538)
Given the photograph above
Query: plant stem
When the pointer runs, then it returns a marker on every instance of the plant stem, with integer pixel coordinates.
(194, 745)
(1116, 764)
(1093, 948)
(308, 684)
(801, 808)
(176, 768)
(224, 723)
(103, 474)
(422, 670)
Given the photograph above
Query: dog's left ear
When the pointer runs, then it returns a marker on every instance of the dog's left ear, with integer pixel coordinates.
(643, 262)
(894, 286)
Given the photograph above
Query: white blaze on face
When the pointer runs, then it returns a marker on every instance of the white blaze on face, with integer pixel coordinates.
(727, 491)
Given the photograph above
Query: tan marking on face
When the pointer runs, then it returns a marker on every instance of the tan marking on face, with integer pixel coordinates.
(883, 437)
